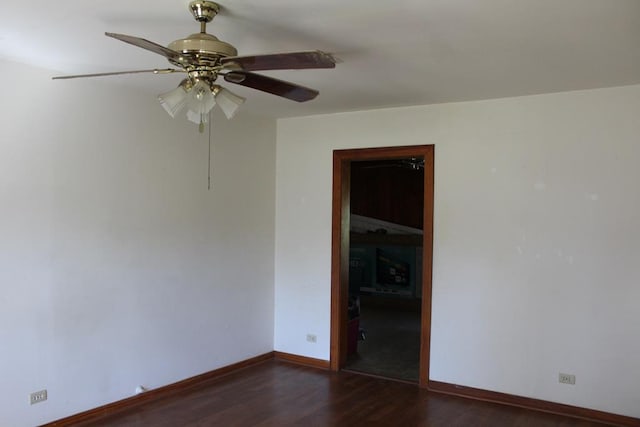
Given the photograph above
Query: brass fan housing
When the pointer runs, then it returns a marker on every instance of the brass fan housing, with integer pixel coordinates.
(204, 11)
(202, 49)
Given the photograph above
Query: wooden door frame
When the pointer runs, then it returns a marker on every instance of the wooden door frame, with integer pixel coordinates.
(340, 247)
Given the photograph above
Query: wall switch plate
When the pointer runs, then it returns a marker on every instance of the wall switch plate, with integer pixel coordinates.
(567, 378)
(38, 396)
(312, 338)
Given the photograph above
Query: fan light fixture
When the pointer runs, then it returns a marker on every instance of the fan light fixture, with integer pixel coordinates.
(204, 58)
(198, 100)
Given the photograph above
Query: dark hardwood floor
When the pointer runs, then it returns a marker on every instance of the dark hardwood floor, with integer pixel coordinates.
(277, 393)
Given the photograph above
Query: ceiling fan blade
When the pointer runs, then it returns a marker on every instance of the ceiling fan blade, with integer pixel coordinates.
(146, 44)
(115, 73)
(270, 85)
(282, 61)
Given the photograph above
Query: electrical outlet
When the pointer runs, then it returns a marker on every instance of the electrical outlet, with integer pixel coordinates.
(567, 379)
(312, 338)
(38, 396)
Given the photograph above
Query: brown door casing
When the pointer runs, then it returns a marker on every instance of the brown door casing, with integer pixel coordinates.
(340, 247)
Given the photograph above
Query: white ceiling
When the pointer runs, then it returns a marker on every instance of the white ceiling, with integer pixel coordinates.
(394, 53)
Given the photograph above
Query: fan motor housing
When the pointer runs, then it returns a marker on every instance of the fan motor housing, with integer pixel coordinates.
(203, 48)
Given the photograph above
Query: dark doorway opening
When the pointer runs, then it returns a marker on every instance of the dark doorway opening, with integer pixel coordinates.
(385, 267)
(390, 271)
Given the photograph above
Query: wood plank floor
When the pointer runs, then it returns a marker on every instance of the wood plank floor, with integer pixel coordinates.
(281, 394)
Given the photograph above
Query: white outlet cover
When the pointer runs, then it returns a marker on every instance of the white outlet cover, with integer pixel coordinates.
(37, 397)
(567, 379)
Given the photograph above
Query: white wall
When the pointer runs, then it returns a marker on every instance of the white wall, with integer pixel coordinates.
(117, 266)
(537, 242)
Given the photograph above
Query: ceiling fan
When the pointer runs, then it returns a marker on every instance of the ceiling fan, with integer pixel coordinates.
(204, 58)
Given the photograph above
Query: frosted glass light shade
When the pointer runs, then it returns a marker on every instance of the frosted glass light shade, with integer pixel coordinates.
(199, 102)
(174, 100)
(228, 101)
